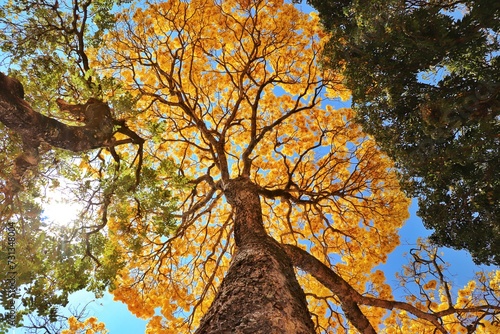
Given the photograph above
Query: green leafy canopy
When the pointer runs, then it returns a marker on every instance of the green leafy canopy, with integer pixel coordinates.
(425, 81)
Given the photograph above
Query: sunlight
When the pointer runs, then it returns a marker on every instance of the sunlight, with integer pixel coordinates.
(60, 212)
(59, 207)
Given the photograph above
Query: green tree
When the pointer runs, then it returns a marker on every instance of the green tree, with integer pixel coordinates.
(57, 135)
(425, 83)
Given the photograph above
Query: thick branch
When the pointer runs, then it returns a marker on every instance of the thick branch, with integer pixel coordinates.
(17, 115)
(347, 295)
(34, 128)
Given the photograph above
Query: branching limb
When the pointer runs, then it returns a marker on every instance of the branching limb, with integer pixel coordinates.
(33, 127)
(348, 295)
(335, 283)
(351, 298)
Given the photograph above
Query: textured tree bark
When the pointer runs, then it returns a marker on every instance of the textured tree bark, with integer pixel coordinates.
(33, 127)
(260, 293)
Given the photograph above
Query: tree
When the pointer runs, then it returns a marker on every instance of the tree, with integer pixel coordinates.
(425, 80)
(46, 140)
(281, 186)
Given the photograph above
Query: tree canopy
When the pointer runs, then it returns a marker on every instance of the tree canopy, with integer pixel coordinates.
(425, 83)
(222, 191)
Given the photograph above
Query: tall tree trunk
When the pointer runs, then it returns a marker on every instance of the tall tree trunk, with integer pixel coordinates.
(260, 293)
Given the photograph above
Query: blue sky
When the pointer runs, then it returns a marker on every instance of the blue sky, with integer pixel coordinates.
(115, 315)
(461, 270)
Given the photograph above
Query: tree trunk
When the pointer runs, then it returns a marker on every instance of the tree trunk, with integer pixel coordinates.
(260, 293)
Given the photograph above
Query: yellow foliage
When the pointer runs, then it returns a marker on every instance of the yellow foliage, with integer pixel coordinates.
(431, 285)
(238, 88)
(89, 326)
(245, 72)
